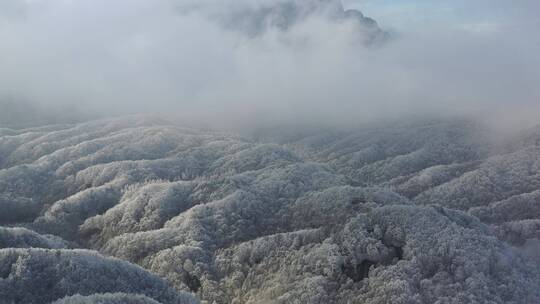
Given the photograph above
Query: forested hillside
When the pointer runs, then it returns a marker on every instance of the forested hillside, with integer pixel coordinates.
(140, 210)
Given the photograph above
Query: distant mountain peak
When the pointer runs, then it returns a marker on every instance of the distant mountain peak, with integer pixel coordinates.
(255, 18)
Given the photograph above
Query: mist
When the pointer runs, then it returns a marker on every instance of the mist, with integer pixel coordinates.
(269, 151)
(212, 63)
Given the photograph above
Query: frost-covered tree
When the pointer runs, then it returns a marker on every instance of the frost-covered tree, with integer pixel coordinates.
(24, 238)
(42, 276)
(114, 298)
(315, 216)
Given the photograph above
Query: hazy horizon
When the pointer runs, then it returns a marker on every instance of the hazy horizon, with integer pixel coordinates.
(190, 58)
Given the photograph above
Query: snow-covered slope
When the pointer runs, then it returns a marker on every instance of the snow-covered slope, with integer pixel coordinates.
(413, 213)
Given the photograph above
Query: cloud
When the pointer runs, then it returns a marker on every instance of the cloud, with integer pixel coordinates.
(219, 63)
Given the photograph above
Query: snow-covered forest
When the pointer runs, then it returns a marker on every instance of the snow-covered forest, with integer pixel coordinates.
(139, 210)
(288, 152)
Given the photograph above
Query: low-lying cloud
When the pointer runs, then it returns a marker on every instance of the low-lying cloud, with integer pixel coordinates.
(219, 63)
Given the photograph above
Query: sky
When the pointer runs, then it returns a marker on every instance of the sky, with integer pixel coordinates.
(457, 57)
(414, 14)
(411, 15)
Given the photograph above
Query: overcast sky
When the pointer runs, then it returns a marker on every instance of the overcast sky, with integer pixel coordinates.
(410, 15)
(126, 56)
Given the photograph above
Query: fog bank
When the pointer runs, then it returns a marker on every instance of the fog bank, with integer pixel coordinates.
(271, 61)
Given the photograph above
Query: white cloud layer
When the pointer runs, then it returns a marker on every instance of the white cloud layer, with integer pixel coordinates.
(140, 56)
